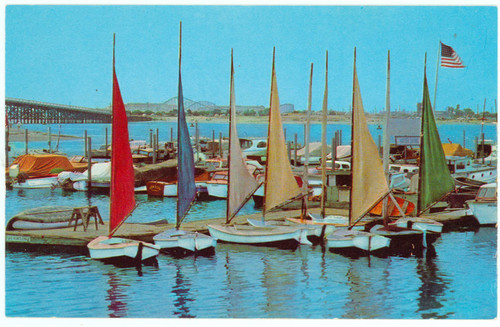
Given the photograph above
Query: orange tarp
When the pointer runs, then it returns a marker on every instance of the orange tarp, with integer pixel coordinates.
(37, 165)
(454, 149)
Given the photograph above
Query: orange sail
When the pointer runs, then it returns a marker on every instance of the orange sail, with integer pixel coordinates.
(122, 199)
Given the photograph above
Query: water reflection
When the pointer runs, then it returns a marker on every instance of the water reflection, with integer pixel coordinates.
(116, 296)
(181, 289)
(432, 289)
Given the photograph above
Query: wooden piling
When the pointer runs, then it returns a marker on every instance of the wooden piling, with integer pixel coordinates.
(26, 141)
(89, 163)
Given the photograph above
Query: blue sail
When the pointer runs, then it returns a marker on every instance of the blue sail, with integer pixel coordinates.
(186, 187)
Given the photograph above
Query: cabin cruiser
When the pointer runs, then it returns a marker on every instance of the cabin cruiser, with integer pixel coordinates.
(484, 206)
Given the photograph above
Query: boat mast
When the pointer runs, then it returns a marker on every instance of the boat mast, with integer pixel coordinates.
(323, 142)
(352, 136)
(111, 193)
(306, 141)
(419, 209)
(229, 156)
(268, 133)
(386, 146)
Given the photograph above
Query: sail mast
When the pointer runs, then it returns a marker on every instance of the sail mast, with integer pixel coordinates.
(323, 141)
(352, 137)
(186, 187)
(386, 146)
(122, 197)
(229, 156)
(306, 141)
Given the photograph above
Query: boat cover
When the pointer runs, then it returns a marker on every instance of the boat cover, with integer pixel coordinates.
(454, 149)
(38, 165)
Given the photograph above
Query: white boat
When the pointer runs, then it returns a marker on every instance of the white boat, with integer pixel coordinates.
(47, 217)
(348, 239)
(484, 206)
(122, 198)
(36, 182)
(174, 240)
(419, 223)
(121, 249)
(280, 183)
(217, 186)
(368, 182)
(465, 167)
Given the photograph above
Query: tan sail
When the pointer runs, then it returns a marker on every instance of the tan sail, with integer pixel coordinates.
(241, 183)
(280, 183)
(369, 183)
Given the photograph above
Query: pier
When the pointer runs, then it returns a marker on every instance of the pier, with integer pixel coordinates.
(77, 240)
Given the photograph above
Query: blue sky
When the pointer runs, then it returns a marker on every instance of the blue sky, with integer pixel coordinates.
(63, 54)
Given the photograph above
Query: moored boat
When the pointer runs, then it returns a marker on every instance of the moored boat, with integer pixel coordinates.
(122, 198)
(484, 206)
(174, 240)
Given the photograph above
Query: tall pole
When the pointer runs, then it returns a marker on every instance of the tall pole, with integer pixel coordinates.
(387, 145)
(306, 141)
(323, 141)
(437, 71)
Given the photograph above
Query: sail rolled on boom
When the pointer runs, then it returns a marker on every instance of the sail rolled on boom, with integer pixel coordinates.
(241, 183)
(369, 183)
(280, 183)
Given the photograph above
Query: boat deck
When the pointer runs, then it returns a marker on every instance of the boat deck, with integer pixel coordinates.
(78, 240)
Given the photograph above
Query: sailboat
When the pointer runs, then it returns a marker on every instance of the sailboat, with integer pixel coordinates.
(435, 180)
(122, 198)
(369, 184)
(280, 185)
(176, 240)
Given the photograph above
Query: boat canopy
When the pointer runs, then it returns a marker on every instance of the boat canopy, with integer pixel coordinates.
(454, 149)
(38, 165)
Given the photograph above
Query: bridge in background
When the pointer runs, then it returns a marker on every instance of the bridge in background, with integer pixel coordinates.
(36, 112)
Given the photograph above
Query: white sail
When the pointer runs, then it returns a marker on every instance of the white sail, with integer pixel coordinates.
(241, 183)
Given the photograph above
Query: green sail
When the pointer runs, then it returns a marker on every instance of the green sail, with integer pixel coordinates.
(435, 178)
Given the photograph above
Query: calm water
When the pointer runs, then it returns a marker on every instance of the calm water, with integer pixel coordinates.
(456, 279)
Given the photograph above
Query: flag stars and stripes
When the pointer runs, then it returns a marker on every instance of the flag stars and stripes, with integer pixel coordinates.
(449, 57)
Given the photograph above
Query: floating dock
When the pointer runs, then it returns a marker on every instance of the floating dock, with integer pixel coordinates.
(76, 240)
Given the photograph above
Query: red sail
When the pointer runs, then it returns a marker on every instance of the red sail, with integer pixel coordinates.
(122, 199)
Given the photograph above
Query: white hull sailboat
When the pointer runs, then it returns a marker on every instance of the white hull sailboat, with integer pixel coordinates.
(368, 183)
(122, 198)
(176, 241)
(280, 185)
(121, 249)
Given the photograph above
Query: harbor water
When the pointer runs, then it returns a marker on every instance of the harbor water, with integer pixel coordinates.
(456, 278)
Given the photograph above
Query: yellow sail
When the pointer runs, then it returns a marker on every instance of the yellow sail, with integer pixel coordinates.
(369, 183)
(280, 184)
(241, 183)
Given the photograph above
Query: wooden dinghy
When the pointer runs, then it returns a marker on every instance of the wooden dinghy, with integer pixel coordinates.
(268, 236)
(392, 211)
(184, 242)
(47, 217)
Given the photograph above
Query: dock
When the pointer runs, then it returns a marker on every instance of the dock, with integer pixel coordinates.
(76, 240)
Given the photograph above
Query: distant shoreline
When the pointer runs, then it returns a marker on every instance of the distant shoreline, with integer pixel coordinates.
(17, 135)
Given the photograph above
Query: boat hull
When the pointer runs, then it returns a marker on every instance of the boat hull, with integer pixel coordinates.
(484, 212)
(121, 250)
(181, 242)
(419, 223)
(355, 239)
(217, 190)
(41, 182)
(280, 236)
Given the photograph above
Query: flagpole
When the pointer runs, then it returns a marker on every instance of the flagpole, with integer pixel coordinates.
(437, 72)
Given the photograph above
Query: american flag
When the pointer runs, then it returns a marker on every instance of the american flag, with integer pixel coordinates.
(449, 57)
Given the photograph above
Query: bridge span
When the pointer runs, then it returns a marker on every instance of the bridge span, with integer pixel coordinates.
(36, 112)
